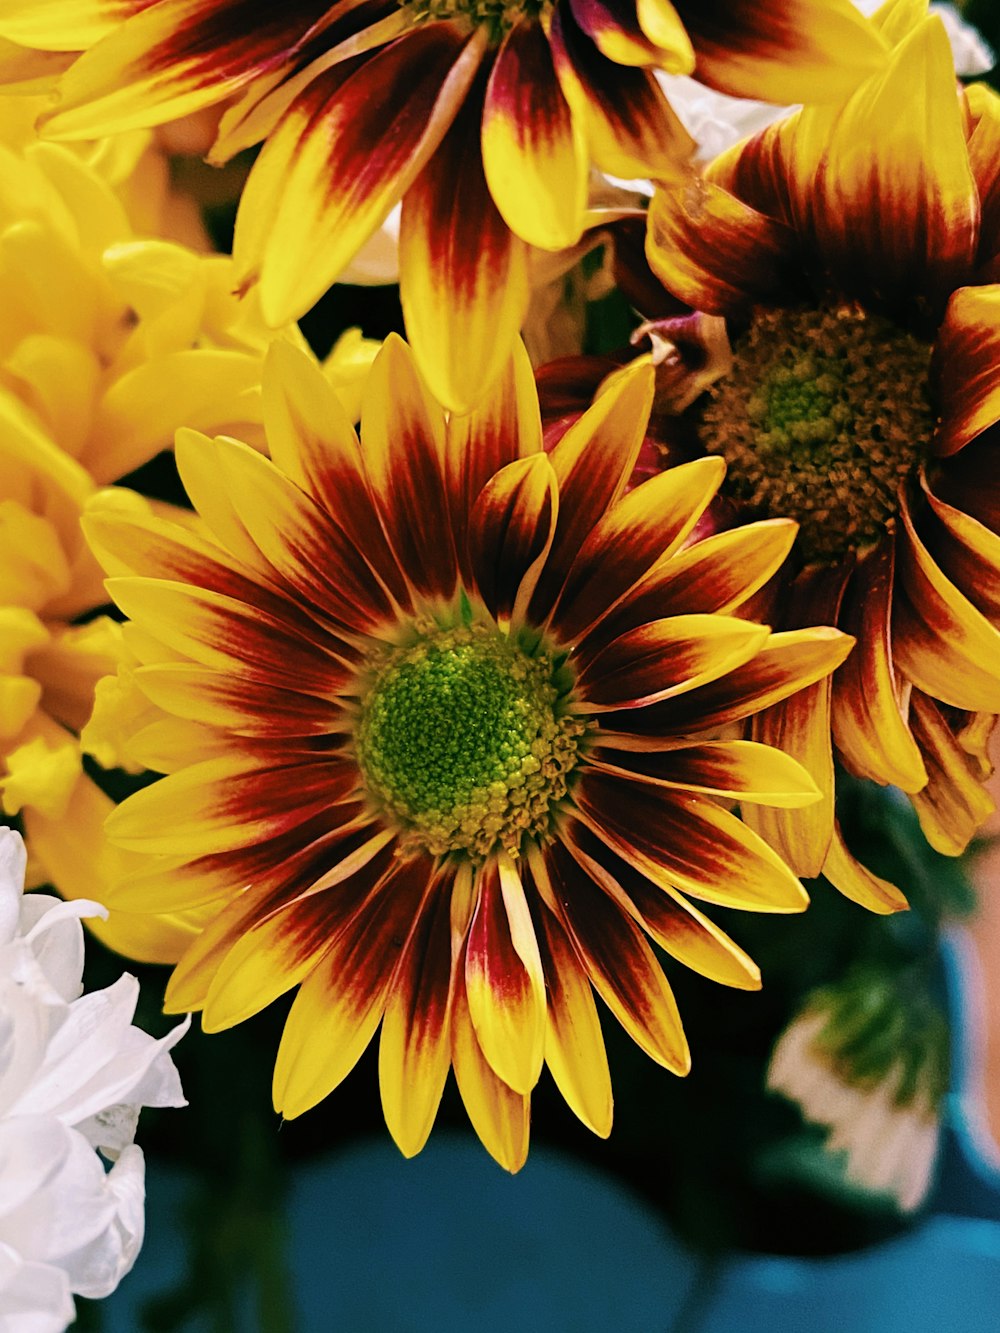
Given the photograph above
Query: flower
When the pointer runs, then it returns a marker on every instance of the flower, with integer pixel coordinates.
(430, 708)
(872, 1065)
(107, 342)
(73, 1077)
(484, 116)
(860, 294)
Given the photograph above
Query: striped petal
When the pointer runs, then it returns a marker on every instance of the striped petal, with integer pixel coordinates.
(856, 882)
(739, 770)
(942, 643)
(789, 51)
(897, 224)
(688, 842)
(312, 441)
(715, 252)
(954, 804)
(534, 155)
(593, 462)
(869, 726)
(224, 634)
(787, 662)
(965, 550)
(641, 531)
(510, 534)
(630, 126)
(311, 554)
(504, 983)
(678, 927)
(574, 1043)
(667, 658)
(222, 699)
(647, 33)
(800, 726)
(504, 425)
(227, 803)
(402, 428)
(341, 158)
(499, 1115)
(172, 58)
(464, 281)
(339, 1005)
(618, 960)
(415, 1047)
(713, 576)
(967, 366)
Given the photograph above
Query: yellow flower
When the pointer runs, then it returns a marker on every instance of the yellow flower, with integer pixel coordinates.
(430, 711)
(107, 343)
(856, 255)
(483, 116)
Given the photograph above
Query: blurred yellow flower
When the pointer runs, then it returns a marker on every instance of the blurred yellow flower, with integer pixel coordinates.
(109, 342)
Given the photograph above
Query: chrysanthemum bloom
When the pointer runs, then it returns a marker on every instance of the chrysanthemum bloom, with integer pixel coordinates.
(443, 712)
(485, 116)
(869, 1058)
(106, 342)
(855, 256)
(73, 1076)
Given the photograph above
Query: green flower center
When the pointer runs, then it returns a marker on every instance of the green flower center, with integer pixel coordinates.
(497, 16)
(464, 739)
(825, 412)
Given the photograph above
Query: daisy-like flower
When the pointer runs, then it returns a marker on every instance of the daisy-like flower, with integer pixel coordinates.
(484, 114)
(871, 1064)
(860, 396)
(106, 342)
(433, 706)
(73, 1077)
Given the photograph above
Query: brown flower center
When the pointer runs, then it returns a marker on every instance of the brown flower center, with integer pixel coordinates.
(823, 414)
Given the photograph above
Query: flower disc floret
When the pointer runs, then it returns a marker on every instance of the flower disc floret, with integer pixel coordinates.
(824, 414)
(464, 738)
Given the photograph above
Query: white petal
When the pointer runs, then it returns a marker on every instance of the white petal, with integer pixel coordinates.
(34, 1298)
(96, 1269)
(13, 860)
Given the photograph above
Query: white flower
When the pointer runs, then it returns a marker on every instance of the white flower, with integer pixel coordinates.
(890, 1148)
(74, 1072)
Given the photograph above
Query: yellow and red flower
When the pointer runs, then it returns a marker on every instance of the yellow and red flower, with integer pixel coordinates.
(855, 256)
(483, 114)
(441, 716)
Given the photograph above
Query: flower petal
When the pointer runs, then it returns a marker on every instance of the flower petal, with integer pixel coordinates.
(637, 534)
(415, 1047)
(678, 927)
(954, 804)
(967, 365)
(942, 643)
(463, 275)
(222, 699)
(788, 662)
(854, 881)
(740, 770)
(402, 432)
(619, 962)
(800, 726)
(869, 727)
(689, 843)
(170, 59)
(510, 533)
(789, 51)
(631, 127)
(574, 1044)
(715, 252)
(340, 1003)
(312, 441)
(666, 658)
(504, 983)
(499, 1115)
(593, 462)
(340, 159)
(534, 155)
